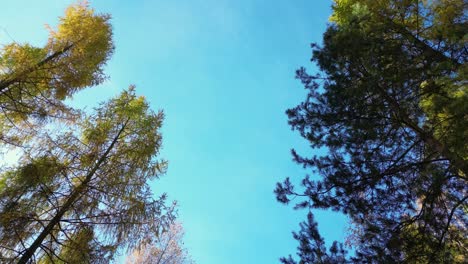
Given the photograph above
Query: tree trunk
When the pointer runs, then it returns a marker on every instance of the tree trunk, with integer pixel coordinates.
(76, 193)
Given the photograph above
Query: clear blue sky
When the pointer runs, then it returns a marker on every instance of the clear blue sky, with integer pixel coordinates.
(223, 72)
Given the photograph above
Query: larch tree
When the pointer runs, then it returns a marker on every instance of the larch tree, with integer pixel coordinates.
(82, 194)
(79, 192)
(34, 81)
(391, 107)
(168, 248)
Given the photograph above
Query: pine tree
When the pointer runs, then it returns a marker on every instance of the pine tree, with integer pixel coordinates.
(390, 106)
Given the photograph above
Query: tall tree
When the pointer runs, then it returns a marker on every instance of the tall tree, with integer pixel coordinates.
(166, 249)
(390, 106)
(35, 80)
(80, 195)
(80, 190)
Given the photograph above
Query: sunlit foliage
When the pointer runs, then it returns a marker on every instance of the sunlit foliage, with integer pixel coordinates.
(79, 192)
(35, 80)
(85, 193)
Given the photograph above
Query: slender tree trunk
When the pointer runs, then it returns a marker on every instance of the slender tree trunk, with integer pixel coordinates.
(74, 196)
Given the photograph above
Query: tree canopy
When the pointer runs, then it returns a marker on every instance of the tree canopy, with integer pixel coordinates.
(390, 106)
(79, 192)
(34, 81)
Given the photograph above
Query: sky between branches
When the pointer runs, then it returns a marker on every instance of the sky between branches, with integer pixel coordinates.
(223, 72)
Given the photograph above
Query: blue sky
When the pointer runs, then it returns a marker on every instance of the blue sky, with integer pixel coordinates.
(223, 72)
